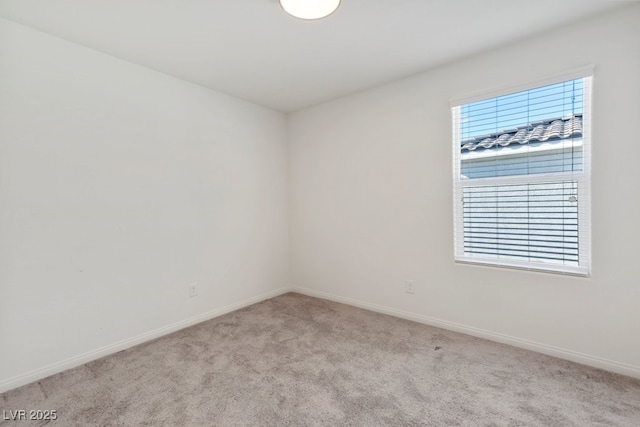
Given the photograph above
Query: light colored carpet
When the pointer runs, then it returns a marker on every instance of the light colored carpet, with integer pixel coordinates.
(296, 360)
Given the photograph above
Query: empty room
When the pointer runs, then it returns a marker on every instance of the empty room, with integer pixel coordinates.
(319, 212)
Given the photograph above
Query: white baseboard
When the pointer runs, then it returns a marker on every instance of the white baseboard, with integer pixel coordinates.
(573, 356)
(585, 359)
(92, 355)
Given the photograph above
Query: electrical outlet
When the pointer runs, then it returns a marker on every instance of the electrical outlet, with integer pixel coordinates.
(410, 287)
(193, 290)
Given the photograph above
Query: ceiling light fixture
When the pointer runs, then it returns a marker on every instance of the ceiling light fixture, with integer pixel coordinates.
(310, 9)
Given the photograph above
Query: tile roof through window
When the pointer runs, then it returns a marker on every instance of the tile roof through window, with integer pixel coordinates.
(542, 131)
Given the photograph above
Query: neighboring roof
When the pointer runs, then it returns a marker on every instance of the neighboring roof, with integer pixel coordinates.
(542, 131)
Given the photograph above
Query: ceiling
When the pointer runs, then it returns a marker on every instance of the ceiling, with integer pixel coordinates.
(251, 49)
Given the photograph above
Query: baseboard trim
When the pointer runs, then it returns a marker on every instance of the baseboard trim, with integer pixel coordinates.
(561, 353)
(92, 355)
(585, 359)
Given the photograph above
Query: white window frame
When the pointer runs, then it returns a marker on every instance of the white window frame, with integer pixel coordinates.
(583, 178)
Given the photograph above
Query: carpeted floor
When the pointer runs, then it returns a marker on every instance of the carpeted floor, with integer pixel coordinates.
(296, 360)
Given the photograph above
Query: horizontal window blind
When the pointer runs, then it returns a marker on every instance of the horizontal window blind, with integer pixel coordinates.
(501, 113)
(533, 222)
(521, 178)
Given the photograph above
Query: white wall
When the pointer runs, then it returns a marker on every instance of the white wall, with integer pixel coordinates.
(119, 186)
(371, 196)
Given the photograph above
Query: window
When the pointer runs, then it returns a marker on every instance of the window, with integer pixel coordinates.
(521, 177)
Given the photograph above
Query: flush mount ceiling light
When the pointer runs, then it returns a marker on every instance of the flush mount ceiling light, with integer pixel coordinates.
(309, 9)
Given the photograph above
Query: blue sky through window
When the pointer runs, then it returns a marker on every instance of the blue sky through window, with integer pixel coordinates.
(520, 108)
